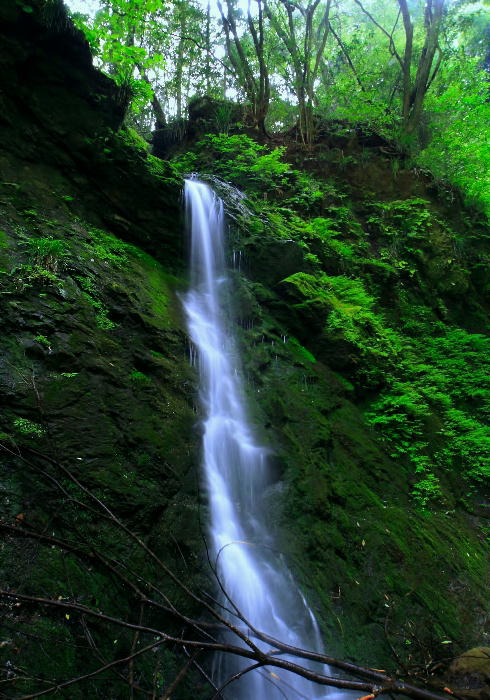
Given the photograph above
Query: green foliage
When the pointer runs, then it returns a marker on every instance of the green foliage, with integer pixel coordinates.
(459, 151)
(101, 313)
(42, 340)
(446, 376)
(407, 230)
(223, 115)
(409, 218)
(25, 276)
(108, 248)
(244, 162)
(325, 228)
(429, 378)
(139, 377)
(27, 428)
(136, 44)
(47, 252)
(307, 192)
(427, 490)
(400, 414)
(459, 362)
(87, 284)
(233, 158)
(350, 314)
(91, 295)
(324, 235)
(467, 446)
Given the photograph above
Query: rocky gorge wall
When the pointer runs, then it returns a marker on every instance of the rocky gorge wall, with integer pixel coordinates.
(94, 369)
(95, 379)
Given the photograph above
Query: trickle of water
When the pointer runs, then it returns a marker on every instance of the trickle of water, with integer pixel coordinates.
(235, 466)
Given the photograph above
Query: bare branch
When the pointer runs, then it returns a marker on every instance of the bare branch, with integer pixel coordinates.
(385, 684)
(393, 50)
(348, 58)
(92, 674)
(179, 677)
(235, 677)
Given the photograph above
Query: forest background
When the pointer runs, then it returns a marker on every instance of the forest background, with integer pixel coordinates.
(416, 71)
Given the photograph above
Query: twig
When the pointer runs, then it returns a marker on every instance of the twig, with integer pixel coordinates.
(202, 672)
(179, 677)
(99, 670)
(393, 50)
(235, 677)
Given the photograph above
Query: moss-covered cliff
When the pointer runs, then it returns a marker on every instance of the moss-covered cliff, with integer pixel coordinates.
(94, 358)
(361, 302)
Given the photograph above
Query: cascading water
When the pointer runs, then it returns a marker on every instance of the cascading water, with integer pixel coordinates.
(253, 576)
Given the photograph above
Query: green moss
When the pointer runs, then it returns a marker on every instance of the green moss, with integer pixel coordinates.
(340, 291)
(133, 139)
(107, 248)
(47, 249)
(164, 171)
(301, 351)
(87, 284)
(101, 313)
(347, 313)
(24, 276)
(159, 288)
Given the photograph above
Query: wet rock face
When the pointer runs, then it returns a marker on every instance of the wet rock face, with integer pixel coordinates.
(98, 333)
(96, 400)
(47, 65)
(58, 122)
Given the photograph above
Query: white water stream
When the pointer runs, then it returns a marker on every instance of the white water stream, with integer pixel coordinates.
(236, 474)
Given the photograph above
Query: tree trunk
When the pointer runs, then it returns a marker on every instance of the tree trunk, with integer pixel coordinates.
(180, 65)
(425, 71)
(257, 91)
(208, 48)
(159, 114)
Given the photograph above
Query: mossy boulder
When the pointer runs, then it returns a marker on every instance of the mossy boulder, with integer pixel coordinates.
(469, 674)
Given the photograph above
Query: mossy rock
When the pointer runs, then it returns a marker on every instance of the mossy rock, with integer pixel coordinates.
(469, 674)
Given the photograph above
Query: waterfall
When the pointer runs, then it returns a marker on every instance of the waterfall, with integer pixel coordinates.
(251, 572)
